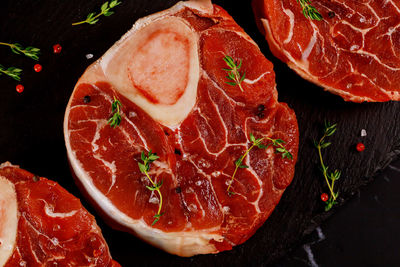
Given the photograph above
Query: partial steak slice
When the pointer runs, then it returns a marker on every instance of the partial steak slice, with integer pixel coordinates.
(353, 52)
(41, 224)
(168, 74)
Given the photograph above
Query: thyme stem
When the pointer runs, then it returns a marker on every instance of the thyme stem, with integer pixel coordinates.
(158, 191)
(144, 168)
(11, 71)
(309, 11)
(88, 20)
(237, 167)
(30, 51)
(324, 168)
(7, 44)
(115, 119)
(330, 178)
(257, 142)
(105, 10)
(233, 73)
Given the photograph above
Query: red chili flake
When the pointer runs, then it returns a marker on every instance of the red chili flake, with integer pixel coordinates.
(97, 253)
(360, 147)
(57, 48)
(324, 197)
(19, 88)
(37, 68)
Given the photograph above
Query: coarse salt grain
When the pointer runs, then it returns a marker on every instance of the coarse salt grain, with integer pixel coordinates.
(363, 132)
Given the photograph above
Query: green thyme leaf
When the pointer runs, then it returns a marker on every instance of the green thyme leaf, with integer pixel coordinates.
(11, 72)
(309, 11)
(233, 72)
(115, 119)
(277, 143)
(30, 51)
(330, 178)
(105, 10)
(144, 167)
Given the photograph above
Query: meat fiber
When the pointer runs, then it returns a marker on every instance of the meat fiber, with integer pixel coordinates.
(167, 72)
(353, 52)
(41, 224)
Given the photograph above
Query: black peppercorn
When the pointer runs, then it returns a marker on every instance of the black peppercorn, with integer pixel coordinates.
(86, 99)
(260, 111)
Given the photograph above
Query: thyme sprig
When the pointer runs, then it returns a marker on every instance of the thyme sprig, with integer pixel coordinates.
(115, 119)
(11, 71)
(30, 51)
(279, 149)
(144, 168)
(309, 11)
(330, 178)
(233, 72)
(92, 18)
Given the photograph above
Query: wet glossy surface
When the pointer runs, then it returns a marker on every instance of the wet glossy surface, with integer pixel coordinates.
(31, 133)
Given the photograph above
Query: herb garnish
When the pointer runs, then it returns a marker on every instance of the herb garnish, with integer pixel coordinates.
(11, 71)
(330, 178)
(233, 72)
(144, 168)
(30, 51)
(115, 119)
(105, 10)
(279, 148)
(309, 11)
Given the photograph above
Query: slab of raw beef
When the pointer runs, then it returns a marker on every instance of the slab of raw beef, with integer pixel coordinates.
(167, 72)
(353, 52)
(41, 224)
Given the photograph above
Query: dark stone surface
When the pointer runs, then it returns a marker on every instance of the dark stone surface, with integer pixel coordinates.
(362, 232)
(31, 127)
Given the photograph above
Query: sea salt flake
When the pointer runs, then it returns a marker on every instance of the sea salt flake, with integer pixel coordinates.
(354, 47)
(54, 240)
(225, 209)
(154, 200)
(216, 173)
(363, 133)
(192, 207)
(89, 56)
(228, 182)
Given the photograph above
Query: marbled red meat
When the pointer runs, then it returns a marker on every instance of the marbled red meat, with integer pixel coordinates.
(353, 52)
(168, 74)
(41, 224)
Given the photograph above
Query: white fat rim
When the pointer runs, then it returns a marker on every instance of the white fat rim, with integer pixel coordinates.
(8, 218)
(183, 243)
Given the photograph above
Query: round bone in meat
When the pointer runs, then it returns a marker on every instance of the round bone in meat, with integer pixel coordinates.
(41, 224)
(167, 72)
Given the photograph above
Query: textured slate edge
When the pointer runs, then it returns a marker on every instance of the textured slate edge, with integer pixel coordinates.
(25, 137)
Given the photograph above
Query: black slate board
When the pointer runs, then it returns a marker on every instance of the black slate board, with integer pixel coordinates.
(31, 123)
(362, 233)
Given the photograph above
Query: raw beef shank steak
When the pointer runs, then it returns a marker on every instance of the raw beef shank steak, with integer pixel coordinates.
(354, 51)
(166, 80)
(41, 224)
